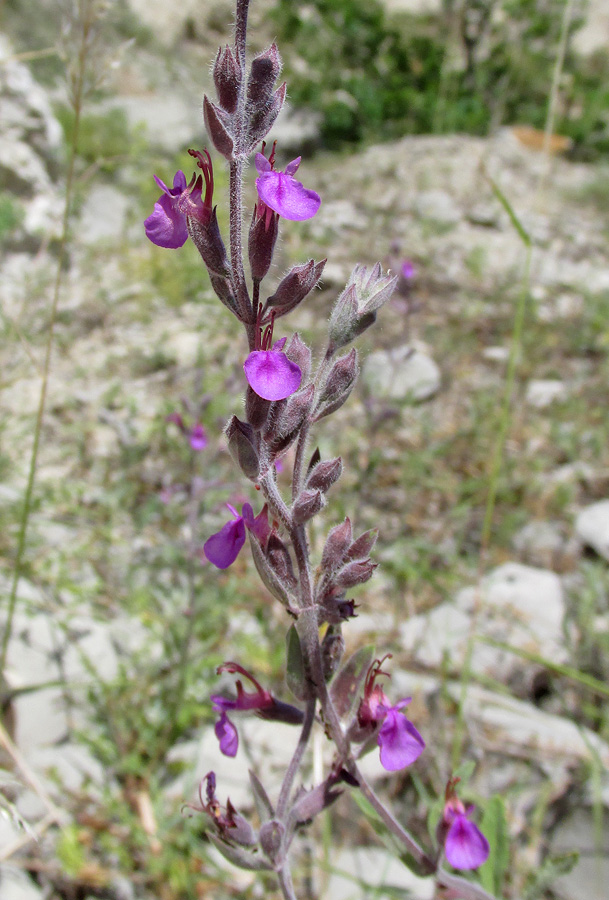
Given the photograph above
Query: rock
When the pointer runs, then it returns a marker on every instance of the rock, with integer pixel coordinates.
(592, 527)
(589, 877)
(541, 393)
(374, 872)
(437, 206)
(103, 214)
(496, 354)
(401, 374)
(17, 885)
(172, 121)
(544, 544)
(517, 605)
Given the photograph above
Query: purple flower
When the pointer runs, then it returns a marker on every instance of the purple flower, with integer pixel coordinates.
(223, 547)
(270, 373)
(167, 227)
(259, 699)
(399, 741)
(280, 192)
(465, 845)
(197, 437)
(407, 269)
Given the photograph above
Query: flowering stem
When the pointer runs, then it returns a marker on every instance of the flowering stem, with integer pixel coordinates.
(294, 765)
(285, 882)
(392, 824)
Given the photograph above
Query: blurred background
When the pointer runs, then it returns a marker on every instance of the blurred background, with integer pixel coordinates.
(463, 144)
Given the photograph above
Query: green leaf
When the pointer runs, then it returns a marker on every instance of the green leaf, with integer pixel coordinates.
(345, 688)
(295, 674)
(494, 828)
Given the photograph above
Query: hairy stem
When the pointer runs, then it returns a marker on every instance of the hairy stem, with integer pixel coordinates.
(285, 882)
(296, 760)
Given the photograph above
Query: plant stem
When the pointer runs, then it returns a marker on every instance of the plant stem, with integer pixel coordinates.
(294, 765)
(61, 258)
(285, 882)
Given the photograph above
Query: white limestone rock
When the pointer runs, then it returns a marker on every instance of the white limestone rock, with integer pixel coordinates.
(401, 374)
(592, 527)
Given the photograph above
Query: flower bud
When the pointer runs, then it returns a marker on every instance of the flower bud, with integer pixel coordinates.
(208, 241)
(356, 308)
(296, 285)
(325, 474)
(262, 120)
(339, 384)
(265, 70)
(271, 840)
(332, 649)
(299, 353)
(227, 78)
(218, 128)
(283, 429)
(337, 546)
(280, 561)
(361, 548)
(224, 292)
(261, 243)
(256, 409)
(357, 572)
(307, 505)
(242, 447)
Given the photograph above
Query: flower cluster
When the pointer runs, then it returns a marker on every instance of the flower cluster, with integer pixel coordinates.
(286, 395)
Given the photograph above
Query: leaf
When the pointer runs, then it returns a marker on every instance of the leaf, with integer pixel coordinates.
(345, 688)
(551, 868)
(295, 673)
(494, 828)
(244, 859)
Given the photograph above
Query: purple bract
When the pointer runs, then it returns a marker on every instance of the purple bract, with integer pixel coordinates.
(282, 193)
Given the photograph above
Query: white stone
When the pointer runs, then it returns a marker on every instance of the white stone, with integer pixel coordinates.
(542, 392)
(589, 877)
(374, 872)
(592, 527)
(401, 374)
(103, 214)
(496, 354)
(16, 885)
(517, 605)
(437, 206)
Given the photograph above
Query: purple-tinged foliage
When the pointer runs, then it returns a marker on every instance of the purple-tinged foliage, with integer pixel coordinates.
(399, 741)
(280, 192)
(464, 844)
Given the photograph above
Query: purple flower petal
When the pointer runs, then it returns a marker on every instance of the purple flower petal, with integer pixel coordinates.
(286, 196)
(262, 164)
(222, 548)
(227, 735)
(399, 740)
(197, 437)
(465, 846)
(166, 227)
(272, 375)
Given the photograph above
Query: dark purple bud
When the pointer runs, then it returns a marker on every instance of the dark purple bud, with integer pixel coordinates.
(207, 239)
(337, 546)
(256, 409)
(227, 78)
(285, 427)
(280, 561)
(332, 649)
(346, 687)
(325, 474)
(339, 384)
(313, 802)
(271, 840)
(296, 285)
(358, 572)
(242, 447)
(361, 548)
(218, 128)
(299, 353)
(269, 576)
(265, 70)
(224, 292)
(262, 120)
(334, 609)
(261, 243)
(307, 505)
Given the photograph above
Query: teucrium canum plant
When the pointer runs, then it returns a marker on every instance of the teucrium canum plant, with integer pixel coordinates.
(285, 395)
